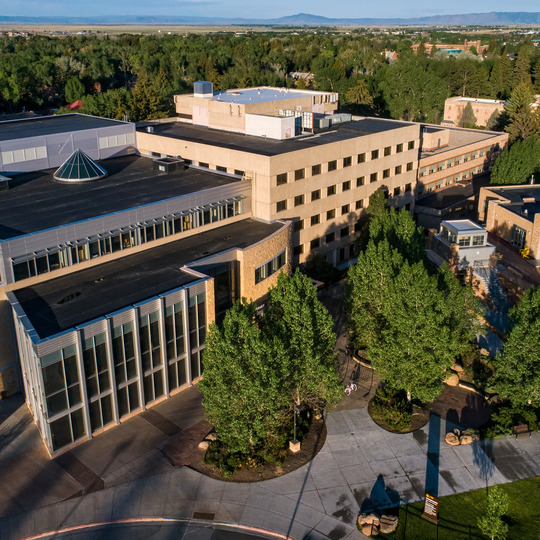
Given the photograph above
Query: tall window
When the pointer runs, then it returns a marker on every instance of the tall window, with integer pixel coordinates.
(176, 350)
(315, 170)
(98, 384)
(197, 331)
(152, 364)
(299, 174)
(61, 385)
(125, 369)
(347, 161)
(332, 165)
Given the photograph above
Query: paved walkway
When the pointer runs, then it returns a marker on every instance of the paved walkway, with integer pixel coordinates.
(360, 467)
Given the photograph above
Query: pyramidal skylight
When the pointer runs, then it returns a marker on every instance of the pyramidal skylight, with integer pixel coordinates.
(79, 167)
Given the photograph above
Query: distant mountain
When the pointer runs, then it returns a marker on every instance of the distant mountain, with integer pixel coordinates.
(300, 19)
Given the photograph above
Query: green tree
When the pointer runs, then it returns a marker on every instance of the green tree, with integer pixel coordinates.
(517, 162)
(74, 90)
(359, 94)
(522, 121)
(494, 121)
(501, 78)
(517, 368)
(491, 523)
(467, 120)
(145, 102)
(242, 395)
(301, 331)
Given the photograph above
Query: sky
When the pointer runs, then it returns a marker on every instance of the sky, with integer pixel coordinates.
(260, 8)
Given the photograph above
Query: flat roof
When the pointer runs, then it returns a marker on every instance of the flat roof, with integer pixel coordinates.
(522, 200)
(478, 100)
(460, 137)
(463, 225)
(49, 125)
(111, 286)
(268, 147)
(454, 194)
(36, 202)
(262, 94)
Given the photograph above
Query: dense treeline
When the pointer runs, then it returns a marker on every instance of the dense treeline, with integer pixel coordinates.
(135, 76)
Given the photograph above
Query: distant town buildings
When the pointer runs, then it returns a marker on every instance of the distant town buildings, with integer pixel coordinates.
(483, 110)
(453, 49)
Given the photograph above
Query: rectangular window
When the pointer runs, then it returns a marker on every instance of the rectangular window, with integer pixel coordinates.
(387, 150)
(316, 219)
(315, 170)
(281, 206)
(330, 237)
(298, 225)
(347, 161)
(332, 165)
(331, 190)
(373, 177)
(298, 250)
(423, 171)
(411, 145)
(315, 243)
(362, 157)
(330, 214)
(299, 174)
(315, 195)
(410, 166)
(478, 241)
(298, 200)
(359, 204)
(374, 154)
(270, 267)
(360, 181)
(345, 209)
(386, 173)
(408, 187)
(281, 179)
(440, 166)
(450, 163)
(346, 186)
(220, 168)
(432, 168)
(344, 232)
(397, 170)
(203, 164)
(397, 191)
(399, 148)
(237, 172)
(464, 241)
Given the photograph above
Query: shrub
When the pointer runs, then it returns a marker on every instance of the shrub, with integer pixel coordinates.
(391, 407)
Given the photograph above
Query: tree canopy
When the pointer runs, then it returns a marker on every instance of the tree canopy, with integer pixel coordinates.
(412, 324)
(257, 367)
(517, 367)
(516, 163)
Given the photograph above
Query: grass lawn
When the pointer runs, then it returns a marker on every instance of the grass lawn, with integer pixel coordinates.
(458, 515)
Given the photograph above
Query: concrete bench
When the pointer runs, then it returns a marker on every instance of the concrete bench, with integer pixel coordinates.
(521, 430)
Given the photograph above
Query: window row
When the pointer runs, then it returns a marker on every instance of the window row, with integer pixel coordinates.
(125, 238)
(270, 267)
(300, 174)
(458, 160)
(449, 180)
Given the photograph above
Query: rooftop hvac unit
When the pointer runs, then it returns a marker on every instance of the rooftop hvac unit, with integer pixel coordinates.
(168, 165)
(203, 89)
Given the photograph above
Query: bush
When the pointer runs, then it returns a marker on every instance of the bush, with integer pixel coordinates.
(390, 407)
(505, 417)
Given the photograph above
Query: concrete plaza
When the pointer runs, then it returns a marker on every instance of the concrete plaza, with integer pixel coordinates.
(123, 475)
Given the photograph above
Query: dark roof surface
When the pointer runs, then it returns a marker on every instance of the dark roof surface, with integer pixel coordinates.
(524, 200)
(268, 147)
(36, 202)
(49, 125)
(111, 286)
(453, 194)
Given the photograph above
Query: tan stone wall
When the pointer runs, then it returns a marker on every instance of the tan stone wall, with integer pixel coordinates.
(485, 161)
(500, 222)
(453, 110)
(261, 253)
(231, 116)
(210, 302)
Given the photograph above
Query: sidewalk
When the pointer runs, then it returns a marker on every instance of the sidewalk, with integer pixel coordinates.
(361, 466)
